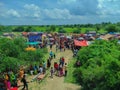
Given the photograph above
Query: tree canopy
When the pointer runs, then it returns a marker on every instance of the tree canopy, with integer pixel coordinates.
(13, 54)
(100, 66)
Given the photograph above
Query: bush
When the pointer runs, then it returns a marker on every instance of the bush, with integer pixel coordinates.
(100, 68)
(12, 54)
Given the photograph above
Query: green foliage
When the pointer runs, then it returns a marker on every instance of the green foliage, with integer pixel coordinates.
(100, 68)
(32, 56)
(13, 54)
(10, 63)
(112, 28)
(61, 31)
(52, 28)
(77, 31)
(1, 28)
(18, 29)
(28, 29)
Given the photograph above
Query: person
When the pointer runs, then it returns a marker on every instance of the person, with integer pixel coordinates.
(60, 48)
(50, 46)
(63, 60)
(51, 71)
(35, 69)
(61, 71)
(24, 83)
(65, 69)
(12, 78)
(48, 63)
(60, 61)
(54, 56)
(55, 66)
(51, 54)
(31, 69)
(7, 81)
(44, 67)
(57, 47)
(40, 69)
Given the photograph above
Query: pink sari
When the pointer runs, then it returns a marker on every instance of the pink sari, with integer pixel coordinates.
(8, 85)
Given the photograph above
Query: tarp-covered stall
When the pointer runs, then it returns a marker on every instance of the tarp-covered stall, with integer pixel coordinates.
(80, 43)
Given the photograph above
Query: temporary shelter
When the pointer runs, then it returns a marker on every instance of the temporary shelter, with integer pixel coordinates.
(80, 43)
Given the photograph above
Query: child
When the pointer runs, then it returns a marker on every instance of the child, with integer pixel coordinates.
(65, 69)
(51, 71)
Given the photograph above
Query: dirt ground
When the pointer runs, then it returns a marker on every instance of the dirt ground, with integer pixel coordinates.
(57, 83)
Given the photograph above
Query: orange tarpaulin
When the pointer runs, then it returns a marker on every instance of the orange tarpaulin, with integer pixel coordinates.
(30, 49)
(80, 43)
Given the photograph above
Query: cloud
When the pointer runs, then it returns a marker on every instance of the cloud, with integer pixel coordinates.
(31, 7)
(57, 13)
(32, 11)
(108, 8)
(12, 12)
(80, 7)
(9, 13)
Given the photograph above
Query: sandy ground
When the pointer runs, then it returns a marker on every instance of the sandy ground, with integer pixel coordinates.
(57, 83)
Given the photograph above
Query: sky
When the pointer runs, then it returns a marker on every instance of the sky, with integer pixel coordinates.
(58, 12)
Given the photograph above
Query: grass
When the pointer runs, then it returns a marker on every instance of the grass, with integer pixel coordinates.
(70, 78)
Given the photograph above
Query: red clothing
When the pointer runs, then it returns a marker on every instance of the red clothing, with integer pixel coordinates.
(56, 66)
(14, 88)
(63, 59)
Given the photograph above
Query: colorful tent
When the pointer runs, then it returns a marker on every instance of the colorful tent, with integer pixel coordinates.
(35, 37)
(80, 43)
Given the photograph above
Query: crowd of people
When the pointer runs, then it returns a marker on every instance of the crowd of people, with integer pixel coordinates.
(59, 68)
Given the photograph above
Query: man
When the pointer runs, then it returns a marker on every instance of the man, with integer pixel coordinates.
(25, 83)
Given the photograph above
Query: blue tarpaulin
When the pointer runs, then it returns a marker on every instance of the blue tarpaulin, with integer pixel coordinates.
(33, 38)
(33, 43)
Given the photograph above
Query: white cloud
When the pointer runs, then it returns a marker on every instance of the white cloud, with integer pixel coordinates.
(57, 13)
(32, 10)
(12, 12)
(31, 7)
(108, 8)
(36, 15)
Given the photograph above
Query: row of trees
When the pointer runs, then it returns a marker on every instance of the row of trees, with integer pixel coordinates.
(13, 54)
(100, 66)
(109, 27)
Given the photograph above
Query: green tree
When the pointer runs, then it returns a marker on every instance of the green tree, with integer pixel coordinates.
(76, 31)
(53, 28)
(1, 28)
(10, 63)
(18, 29)
(111, 28)
(100, 66)
(29, 29)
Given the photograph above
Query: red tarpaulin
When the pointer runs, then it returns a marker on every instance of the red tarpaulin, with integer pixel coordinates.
(80, 43)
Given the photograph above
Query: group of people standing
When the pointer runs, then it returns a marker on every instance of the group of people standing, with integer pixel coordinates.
(10, 79)
(59, 68)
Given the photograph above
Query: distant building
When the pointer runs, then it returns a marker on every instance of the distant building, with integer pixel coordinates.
(92, 33)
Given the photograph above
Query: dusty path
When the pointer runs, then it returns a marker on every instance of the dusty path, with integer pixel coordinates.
(57, 83)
